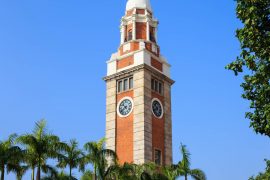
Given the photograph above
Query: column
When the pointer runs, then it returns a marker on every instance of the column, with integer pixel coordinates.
(123, 33)
(134, 29)
(147, 31)
(156, 34)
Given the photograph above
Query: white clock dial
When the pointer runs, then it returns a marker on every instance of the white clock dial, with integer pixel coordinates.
(125, 107)
(157, 108)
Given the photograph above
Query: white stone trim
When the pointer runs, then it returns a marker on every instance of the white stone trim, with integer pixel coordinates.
(124, 98)
(126, 47)
(111, 67)
(154, 48)
(166, 70)
(147, 31)
(156, 99)
(141, 56)
(134, 30)
(123, 30)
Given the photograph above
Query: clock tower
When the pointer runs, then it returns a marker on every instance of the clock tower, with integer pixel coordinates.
(138, 92)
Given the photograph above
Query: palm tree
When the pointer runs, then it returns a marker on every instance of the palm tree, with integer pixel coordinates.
(10, 155)
(151, 171)
(54, 175)
(102, 159)
(148, 171)
(87, 175)
(184, 166)
(19, 170)
(31, 161)
(125, 171)
(40, 146)
(138, 170)
(71, 156)
(170, 172)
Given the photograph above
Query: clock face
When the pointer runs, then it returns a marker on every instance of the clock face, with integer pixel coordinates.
(157, 108)
(125, 107)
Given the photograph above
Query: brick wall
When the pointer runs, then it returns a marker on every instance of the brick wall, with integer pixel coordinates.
(156, 64)
(124, 134)
(140, 30)
(134, 46)
(125, 62)
(158, 130)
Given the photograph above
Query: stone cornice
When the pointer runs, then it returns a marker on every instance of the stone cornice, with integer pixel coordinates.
(130, 71)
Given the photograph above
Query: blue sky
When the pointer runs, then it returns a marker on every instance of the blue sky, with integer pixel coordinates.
(52, 60)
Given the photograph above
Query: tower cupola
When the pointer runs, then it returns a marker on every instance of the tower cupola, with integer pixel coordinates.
(138, 4)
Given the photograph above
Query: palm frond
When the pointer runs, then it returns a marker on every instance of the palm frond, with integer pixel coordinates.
(40, 129)
(11, 139)
(159, 176)
(185, 163)
(18, 169)
(198, 174)
(49, 170)
(146, 176)
(87, 175)
(27, 140)
(171, 172)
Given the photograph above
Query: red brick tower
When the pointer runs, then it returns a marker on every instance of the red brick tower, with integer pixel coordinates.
(138, 102)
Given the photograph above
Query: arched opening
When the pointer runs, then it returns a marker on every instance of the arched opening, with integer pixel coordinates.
(129, 38)
(152, 34)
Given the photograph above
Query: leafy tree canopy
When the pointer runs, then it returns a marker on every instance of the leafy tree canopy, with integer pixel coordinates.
(254, 60)
(265, 175)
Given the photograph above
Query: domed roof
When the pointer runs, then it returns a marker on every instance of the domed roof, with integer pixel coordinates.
(143, 4)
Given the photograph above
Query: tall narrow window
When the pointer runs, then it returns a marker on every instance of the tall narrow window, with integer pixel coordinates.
(153, 84)
(152, 34)
(125, 84)
(120, 86)
(130, 83)
(156, 86)
(130, 35)
(160, 88)
(157, 157)
(126, 34)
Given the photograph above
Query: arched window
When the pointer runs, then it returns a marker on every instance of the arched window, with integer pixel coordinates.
(129, 35)
(152, 34)
(152, 37)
